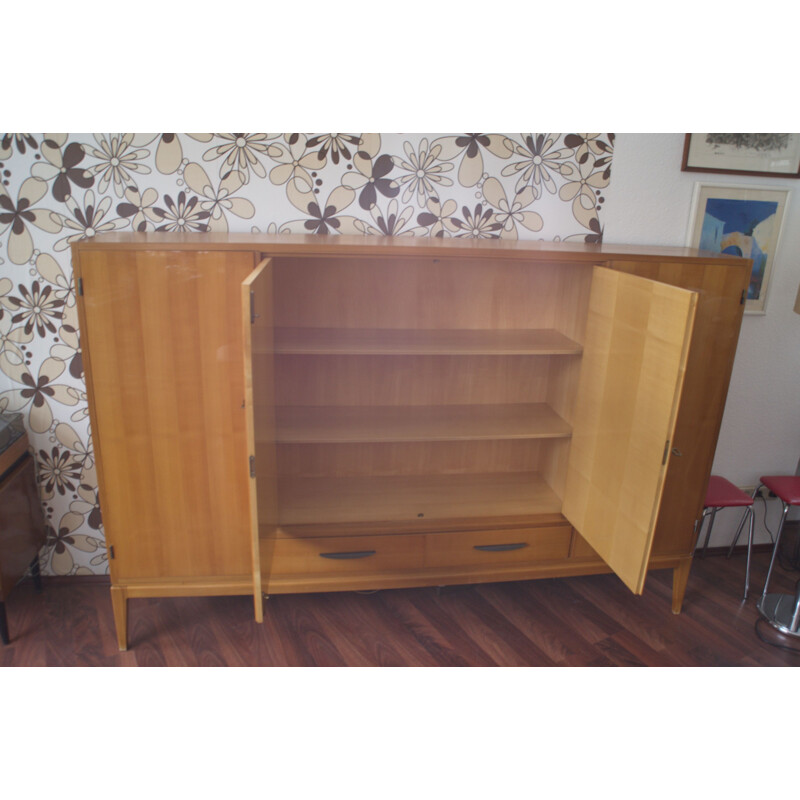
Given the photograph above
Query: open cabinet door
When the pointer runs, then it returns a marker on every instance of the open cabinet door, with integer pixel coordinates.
(634, 358)
(259, 387)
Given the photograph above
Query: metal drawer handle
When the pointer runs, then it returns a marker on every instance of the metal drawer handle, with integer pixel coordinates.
(499, 548)
(351, 554)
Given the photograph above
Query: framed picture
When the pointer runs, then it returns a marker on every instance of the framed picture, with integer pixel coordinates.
(773, 154)
(743, 221)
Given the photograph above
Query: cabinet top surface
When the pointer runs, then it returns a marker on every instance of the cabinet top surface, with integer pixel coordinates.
(316, 244)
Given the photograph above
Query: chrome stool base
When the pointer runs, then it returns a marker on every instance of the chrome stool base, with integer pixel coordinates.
(782, 611)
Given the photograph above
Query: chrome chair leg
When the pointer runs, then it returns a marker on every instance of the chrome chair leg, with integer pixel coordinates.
(795, 623)
(739, 530)
(741, 524)
(712, 514)
(749, 551)
(775, 550)
(748, 512)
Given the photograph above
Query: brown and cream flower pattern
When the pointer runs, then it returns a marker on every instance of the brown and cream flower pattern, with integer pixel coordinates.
(57, 188)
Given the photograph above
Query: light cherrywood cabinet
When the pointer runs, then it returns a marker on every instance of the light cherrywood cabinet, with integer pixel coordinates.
(278, 414)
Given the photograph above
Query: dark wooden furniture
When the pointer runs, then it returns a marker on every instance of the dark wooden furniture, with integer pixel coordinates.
(22, 531)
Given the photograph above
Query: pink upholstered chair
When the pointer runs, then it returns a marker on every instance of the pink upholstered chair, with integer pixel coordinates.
(721, 493)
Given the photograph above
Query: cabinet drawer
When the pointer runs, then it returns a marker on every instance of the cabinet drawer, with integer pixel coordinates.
(347, 554)
(485, 548)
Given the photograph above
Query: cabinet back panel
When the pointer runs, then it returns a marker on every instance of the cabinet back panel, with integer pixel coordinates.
(411, 458)
(422, 293)
(571, 301)
(554, 462)
(410, 380)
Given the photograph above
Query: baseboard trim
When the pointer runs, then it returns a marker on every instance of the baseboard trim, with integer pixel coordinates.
(59, 580)
(740, 549)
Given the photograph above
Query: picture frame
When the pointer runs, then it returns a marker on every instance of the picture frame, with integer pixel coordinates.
(740, 220)
(765, 154)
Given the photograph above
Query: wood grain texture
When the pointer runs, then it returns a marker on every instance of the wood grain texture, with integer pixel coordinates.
(420, 458)
(398, 557)
(324, 500)
(347, 555)
(372, 380)
(717, 323)
(451, 575)
(490, 549)
(166, 388)
(12, 454)
(637, 340)
(382, 346)
(577, 621)
(259, 401)
(119, 606)
(418, 292)
(341, 424)
(397, 246)
(22, 529)
(423, 342)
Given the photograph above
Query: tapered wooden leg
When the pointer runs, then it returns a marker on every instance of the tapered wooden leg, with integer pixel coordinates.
(258, 602)
(119, 602)
(3, 624)
(36, 574)
(680, 578)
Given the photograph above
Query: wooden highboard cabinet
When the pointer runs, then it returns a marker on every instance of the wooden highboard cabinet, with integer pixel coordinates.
(281, 413)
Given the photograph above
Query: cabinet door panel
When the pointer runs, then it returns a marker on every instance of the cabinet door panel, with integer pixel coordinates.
(162, 337)
(634, 358)
(259, 380)
(708, 370)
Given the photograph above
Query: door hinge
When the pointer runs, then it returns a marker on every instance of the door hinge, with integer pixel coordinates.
(666, 453)
(744, 297)
(80, 286)
(252, 466)
(253, 314)
(111, 552)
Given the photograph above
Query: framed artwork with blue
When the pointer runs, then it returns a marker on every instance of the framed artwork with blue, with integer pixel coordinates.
(742, 221)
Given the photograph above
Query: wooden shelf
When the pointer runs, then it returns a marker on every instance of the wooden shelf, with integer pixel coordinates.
(342, 424)
(310, 501)
(393, 341)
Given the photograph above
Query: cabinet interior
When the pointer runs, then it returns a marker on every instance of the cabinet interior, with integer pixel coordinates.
(427, 393)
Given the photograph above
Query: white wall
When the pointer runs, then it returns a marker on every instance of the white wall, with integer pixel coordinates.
(648, 202)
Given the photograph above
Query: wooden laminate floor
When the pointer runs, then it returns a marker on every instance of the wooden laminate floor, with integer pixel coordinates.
(585, 621)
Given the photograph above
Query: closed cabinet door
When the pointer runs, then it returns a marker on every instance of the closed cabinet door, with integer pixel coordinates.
(637, 342)
(161, 332)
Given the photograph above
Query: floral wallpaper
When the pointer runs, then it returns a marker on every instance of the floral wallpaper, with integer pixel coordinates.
(56, 188)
